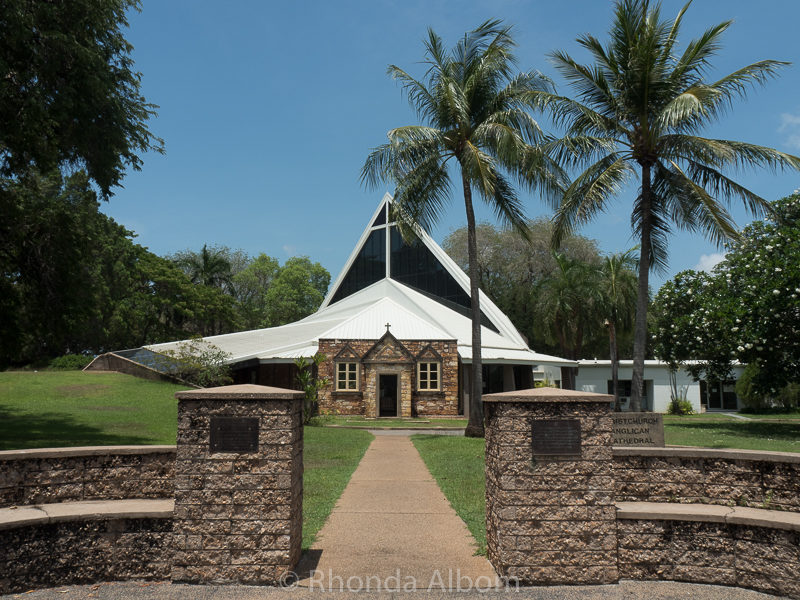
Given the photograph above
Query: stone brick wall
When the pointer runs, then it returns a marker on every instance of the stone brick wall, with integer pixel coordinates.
(706, 476)
(758, 558)
(238, 516)
(363, 402)
(45, 555)
(550, 520)
(93, 473)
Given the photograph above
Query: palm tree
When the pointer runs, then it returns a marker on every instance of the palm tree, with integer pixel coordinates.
(639, 109)
(477, 130)
(567, 303)
(209, 267)
(618, 300)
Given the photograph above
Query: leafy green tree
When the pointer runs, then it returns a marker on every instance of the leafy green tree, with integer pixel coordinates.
(746, 310)
(296, 292)
(568, 305)
(618, 288)
(69, 94)
(761, 271)
(53, 246)
(250, 287)
(639, 108)
(511, 269)
(477, 129)
(73, 280)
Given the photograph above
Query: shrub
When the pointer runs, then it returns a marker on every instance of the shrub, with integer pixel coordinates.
(680, 406)
(751, 397)
(311, 382)
(542, 383)
(199, 362)
(789, 397)
(70, 362)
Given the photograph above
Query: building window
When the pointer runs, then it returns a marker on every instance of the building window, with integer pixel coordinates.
(347, 377)
(428, 376)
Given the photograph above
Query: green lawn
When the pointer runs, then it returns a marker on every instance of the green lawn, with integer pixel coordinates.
(457, 464)
(329, 456)
(720, 431)
(71, 408)
(393, 422)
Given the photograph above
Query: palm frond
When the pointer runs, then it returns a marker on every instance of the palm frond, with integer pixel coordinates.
(419, 97)
(692, 207)
(588, 195)
(722, 187)
(507, 206)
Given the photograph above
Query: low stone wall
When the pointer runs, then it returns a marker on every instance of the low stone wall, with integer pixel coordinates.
(742, 547)
(75, 543)
(708, 476)
(50, 475)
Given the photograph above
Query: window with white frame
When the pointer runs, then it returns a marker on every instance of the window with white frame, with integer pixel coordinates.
(347, 377)
(428, 376)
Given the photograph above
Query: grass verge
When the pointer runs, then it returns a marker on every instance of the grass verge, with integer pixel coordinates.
(717, 431)
(329, 456)
(392, 422)
(71, 408)
(54, 409)
(457, 465)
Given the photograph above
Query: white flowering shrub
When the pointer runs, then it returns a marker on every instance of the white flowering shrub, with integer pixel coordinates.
(748, 309)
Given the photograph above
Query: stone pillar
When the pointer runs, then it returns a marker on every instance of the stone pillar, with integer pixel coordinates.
(550, 514)
(238, 485)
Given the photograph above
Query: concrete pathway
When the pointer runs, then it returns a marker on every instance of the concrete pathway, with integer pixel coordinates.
(392, 528)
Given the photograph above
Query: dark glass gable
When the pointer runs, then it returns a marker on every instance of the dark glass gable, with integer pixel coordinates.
(411, 263)
(381, 218)
(368, 267)
(415, 266)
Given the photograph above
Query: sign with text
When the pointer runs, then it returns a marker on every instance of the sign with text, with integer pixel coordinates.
(638, 429)
(556, 437)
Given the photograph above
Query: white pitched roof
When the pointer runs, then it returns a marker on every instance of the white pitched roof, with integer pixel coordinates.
(412, 315)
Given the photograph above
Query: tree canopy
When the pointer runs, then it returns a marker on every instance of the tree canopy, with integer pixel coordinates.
(526, 279)
(746, 310)
(72, 280)
(639, 108)
(69, 93)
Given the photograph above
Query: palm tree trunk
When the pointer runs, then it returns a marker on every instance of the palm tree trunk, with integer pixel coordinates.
(640, 325)
(475, 425)
(612, 341)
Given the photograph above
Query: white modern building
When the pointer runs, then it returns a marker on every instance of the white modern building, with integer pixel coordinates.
(595, 376)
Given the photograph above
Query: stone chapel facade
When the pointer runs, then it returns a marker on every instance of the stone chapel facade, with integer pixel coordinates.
(390, 377)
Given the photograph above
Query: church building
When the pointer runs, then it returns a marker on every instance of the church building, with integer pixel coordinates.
(395, 329)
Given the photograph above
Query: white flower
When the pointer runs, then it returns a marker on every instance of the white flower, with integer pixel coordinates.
(776, 292)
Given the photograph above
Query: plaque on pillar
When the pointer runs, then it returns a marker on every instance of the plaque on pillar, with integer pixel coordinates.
(234, 434)
(556, 437)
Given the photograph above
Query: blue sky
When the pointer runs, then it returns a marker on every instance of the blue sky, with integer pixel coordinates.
(268, 110)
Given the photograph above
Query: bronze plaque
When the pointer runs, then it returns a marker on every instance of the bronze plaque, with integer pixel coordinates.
(638, 429)
(556, 437)
(234, 434)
